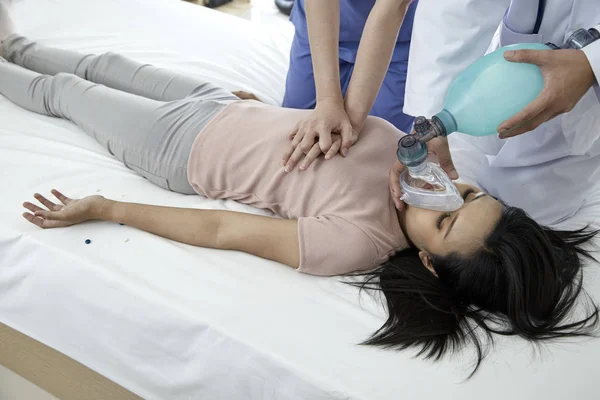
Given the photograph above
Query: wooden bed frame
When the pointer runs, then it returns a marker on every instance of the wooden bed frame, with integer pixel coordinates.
(54, 372)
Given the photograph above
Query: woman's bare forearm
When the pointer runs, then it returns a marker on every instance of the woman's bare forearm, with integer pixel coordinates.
(373, 59)
(190, 226)
(271, 238)
(323, 20)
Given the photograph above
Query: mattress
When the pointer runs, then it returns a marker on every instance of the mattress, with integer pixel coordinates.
(170, 321)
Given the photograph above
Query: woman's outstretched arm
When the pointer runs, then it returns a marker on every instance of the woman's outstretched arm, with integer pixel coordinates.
(271, 238)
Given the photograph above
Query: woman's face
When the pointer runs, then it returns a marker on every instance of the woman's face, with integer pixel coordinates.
(462, 231)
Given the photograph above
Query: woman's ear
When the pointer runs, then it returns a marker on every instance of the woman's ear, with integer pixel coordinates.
(426, 260)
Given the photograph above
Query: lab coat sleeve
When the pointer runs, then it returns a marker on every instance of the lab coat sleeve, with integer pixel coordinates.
(447, 37)
(592, 52)
(508, 36)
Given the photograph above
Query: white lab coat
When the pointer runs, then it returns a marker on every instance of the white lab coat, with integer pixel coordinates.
(553, 172)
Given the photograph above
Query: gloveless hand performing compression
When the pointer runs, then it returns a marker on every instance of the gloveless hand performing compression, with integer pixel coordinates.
(488, 92)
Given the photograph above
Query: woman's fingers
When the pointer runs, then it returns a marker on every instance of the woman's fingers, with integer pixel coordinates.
(346, 139)
(298, 137)
(287, 153)
(308, 142)
(44, 223)
(335, 148)
(54, 215)
(310, 150)
(324, 139)
(61, 197)
(299, 148)
(50, 205)
(294, 159)
(312, 155)
(33, 219)
(32, 207)
(290, 149)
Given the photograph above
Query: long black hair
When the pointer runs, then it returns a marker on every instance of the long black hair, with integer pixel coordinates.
(524, 281)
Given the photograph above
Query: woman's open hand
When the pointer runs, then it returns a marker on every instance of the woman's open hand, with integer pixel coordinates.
(313, 136)
(71, 212)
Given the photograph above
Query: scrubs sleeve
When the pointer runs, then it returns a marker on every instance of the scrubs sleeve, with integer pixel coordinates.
(447, 37)
(592, 52)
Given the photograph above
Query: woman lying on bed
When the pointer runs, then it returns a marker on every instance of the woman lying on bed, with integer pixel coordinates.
(441, 273)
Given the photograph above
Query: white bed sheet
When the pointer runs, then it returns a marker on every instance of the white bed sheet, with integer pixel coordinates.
(169, 321)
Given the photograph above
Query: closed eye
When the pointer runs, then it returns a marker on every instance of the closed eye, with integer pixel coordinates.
(473, 199)
(441, 219)
(467, 193)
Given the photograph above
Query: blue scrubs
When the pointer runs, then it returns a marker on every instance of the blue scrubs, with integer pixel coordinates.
(300, 89)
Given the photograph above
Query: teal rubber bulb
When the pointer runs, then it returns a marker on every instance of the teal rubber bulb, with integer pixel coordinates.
(490, 91)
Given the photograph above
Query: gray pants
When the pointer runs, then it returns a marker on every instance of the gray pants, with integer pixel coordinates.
(145, 116)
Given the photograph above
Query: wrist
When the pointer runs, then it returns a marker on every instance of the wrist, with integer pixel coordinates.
(330, 100)
(103, 209)
(357, 117)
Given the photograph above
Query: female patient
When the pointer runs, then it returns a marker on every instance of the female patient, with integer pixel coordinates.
(441, 273)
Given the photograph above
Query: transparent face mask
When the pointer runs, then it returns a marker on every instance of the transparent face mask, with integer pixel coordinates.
(429, 187)
(424, 183)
